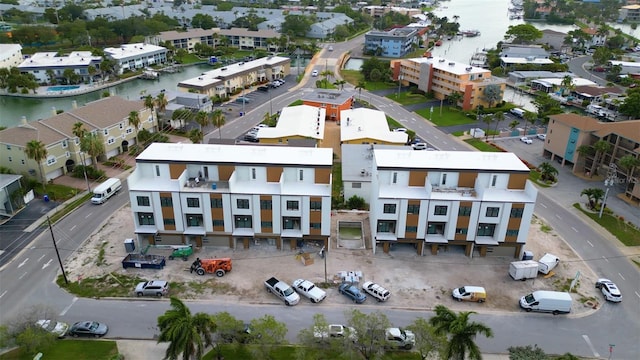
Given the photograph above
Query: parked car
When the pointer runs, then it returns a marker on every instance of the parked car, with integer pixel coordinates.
(400, 130)
(55, 327)
(526, 140)
(335, 331)
(609, 290)
(470, 293)
(352, 292)
(154, 288)
(282, 290)
(375, 290)
(263, 88)
(243, 99)
(419, 146)
(330, 48)
(314, 73)
(400, 338)
(309, 290)
(88, 328)
(541, 136)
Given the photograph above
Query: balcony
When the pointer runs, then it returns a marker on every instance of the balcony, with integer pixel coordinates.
(462, 191)
(204, 185)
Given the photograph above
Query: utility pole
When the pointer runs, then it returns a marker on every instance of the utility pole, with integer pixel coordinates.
(55, 246)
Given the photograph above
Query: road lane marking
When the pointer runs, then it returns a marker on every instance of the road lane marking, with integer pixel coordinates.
(40, 258)
(1, 295)
(574, 229)
(444, 142)
(73, 227)
(23, 275)
(88, 215)
(605, 259)
(622, 276)
(22, 263)
(436, 137)
(638, 295)
(44, 266)
(590, 243)
(543, 205)
(69, 307)
(558, 216)
(593, 350)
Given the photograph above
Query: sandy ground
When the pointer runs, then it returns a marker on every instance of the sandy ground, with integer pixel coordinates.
(419, 282)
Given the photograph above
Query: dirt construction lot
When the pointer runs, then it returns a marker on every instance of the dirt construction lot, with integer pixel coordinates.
(418, 282)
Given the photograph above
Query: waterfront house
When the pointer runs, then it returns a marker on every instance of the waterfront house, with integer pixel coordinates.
(50, 67)
(129, 57)
(10, 55)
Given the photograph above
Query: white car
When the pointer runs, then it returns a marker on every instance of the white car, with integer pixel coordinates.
(541, 136)
(335, 331)
(609, 290)
(400, 130)
(314, 73)
(330, 48)
(55, 327)
(309, 290)
(419, 146)
(526, 140)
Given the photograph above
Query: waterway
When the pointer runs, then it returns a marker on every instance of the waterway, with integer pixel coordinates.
(12, 109)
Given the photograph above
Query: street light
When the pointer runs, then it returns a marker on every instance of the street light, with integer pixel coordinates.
(612, 176)
(400, 78)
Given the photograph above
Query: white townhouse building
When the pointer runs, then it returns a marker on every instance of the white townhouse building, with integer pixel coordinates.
(10, 55)
(45, 65)
(473, 202)
(130, 57)
(232, 195)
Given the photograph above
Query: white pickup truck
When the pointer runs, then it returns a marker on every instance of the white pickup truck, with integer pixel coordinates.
(335, 331)
(309, 290)
(282, 290)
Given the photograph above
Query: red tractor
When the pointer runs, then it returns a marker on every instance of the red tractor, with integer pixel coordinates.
(211, 266)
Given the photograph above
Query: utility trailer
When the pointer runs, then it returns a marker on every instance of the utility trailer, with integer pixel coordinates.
(142, 261)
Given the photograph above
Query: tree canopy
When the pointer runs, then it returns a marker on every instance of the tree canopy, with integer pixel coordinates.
(523, 34)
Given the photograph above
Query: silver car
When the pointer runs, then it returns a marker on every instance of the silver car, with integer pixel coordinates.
(152, 288)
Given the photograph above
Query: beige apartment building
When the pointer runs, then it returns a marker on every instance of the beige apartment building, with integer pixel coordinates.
(567, 133)
(444, 77)
(107, 117)
(232, 196)
(467, 201)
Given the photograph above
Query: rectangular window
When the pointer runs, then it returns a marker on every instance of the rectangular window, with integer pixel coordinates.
(146, 219)
(395, 178)
(169, 221)
(517, 212)
(166, 202)
(216, 203)
(389, 209)
(300, 174)
(64, 143)
(242, 203)
(292, 205)
(462, 231)
(218, 223)
(120, 126)
(492, 212)
(194, 219)
(193, 202)
(157, 170)
(10, 159)
(413, 209)
(142, 200)
(440, 210)
(253, 173)
(315, 205)
(494, 179)
(512, 232)
(129, 131)
(435, 228)
(356, 185)
(317, 226)
(444, 179)
(266, 224)
(411, 229)
(111, 141)
(486, 229)
(51, 161)
(266, 205)
(464, 211)
(386, 226)
(106, 131)
(291, 223)
(242, 221)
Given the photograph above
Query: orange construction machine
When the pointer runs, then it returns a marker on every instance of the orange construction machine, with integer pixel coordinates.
(211, 266)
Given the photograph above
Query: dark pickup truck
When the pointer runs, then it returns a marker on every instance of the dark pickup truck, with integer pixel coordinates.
(141, 261)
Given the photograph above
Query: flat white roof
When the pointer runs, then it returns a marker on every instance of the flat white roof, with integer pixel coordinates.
(236, 154)
(363, 123)
(449, 160)
(524, 60)
(49, 59)
(302, 120)
(131, 50)
(7, 50)
(211, 77)
(450, 66)
(625, 63)
(574, 81)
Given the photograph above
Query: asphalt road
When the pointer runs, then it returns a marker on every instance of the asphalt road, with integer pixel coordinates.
(28, 279)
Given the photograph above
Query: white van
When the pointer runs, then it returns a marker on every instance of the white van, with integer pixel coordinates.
(106, 190)
(547, 263)
(555, 302)
(470, 293)
(517, 112)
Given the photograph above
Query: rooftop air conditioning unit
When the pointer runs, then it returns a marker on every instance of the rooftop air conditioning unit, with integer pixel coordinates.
(452, 64)
(469, 68)
(441, 60)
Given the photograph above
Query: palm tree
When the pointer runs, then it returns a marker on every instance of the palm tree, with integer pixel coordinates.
(547, 172)
(461, 333)
(583, 152)
(183, 116)
(594, 195)
(326, 74)
(492, 94)
(454, 98)
(488, 119)
(150, 103)
(514, 124)
(361, 85)
(218, 120)
(195, 135)
(629, 163)
(78, 130)
(187, 334)
(161, 103)
(497, 117)
(529, 117)
(92, 145)
(134, 120)
(340, 84)
(601, 147)
(37, 151)
(567, 84)
(203, 119)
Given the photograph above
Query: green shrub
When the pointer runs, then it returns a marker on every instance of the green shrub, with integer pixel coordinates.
(92, 173)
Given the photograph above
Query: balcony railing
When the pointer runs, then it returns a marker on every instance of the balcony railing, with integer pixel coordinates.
(463, 191)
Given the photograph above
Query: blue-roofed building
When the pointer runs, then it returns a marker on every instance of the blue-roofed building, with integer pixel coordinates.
(395, 43)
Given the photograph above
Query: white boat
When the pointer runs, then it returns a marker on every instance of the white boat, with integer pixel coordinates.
(470, 33)
(149, 74)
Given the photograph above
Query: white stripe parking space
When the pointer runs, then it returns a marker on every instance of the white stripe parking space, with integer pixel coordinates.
(593, 349)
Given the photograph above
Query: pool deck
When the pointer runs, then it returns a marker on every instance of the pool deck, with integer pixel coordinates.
(42, 91)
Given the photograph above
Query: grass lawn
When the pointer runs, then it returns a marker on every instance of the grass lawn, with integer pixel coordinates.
(626, 233)
(71, 349)
(481, 145)
(355, 76)
(56, 192)
(231, 352)
(325, 84)
(190, 59)
(449, 117)
(407, 98)
(336, 186)
(458, 133)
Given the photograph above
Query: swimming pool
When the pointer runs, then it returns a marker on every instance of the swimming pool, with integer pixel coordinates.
(63, 88)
